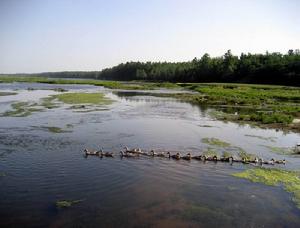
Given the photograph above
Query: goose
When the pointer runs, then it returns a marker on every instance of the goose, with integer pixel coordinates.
(127, 154)
(162, 154)
(187, 157)
(271, 162)
(198, 157)
(280, 161)
(94, 152)
(176, 156)
(107, 154)
(152, 153)
(215, 158)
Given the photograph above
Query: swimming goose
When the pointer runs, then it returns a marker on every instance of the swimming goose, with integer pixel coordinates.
(127, 154)
(197, 157)
(271, 162)
(280, 161)
(187, 157)
(107, 154)
(162, 154)
(94, 152)
(176, 156)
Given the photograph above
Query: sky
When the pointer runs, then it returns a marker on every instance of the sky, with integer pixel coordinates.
(86, 35)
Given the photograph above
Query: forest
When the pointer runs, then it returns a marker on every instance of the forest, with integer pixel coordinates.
(268, 68)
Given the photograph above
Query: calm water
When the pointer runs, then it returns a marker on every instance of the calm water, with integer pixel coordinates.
(42, 167)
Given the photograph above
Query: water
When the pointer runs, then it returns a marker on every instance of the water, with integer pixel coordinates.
(42, 167)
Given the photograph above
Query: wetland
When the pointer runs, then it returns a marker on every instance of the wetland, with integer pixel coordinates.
(45, 124)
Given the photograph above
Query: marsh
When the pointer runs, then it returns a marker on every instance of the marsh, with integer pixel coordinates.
(46, 181)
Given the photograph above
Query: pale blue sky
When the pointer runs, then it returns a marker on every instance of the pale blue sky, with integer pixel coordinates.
(59, 35)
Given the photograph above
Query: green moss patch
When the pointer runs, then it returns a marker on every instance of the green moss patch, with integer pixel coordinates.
(290, 180)
(83, 98)
(215, 142)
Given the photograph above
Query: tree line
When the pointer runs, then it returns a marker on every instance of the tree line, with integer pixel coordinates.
(268, 68)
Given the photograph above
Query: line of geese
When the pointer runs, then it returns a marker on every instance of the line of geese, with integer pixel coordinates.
(131, 153)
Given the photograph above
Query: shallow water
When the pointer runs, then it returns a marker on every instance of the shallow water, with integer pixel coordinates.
(42, 167)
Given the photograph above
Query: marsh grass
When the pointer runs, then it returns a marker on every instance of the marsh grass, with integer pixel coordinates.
(290, 180)
(83, 98)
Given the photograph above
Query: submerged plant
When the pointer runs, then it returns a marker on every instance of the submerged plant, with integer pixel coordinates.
(290, 180)
(66, 203)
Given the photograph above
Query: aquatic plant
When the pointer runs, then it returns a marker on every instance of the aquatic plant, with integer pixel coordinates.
(66, 203)
(21, 109)
(215, 142)
(2, 174)
(56, 130)
(272, 139)
(210, 152)
(280, 150)
(226, 154)
(7, 93)
(290, 180)
(83, 98)
(200, 212)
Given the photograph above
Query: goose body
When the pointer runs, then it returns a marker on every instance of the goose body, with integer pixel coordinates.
(93, 152)
(128, 154)
(187, 157)
(174, 156)
(280, 161)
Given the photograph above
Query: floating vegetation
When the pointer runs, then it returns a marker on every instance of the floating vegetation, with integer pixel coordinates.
(215, 142)
(60, 90)
(272, 139)
(48, 103)
(7, 93)
(21, 109)
(83, 98)
(210, 152)
(204, 125)
(52, 129)
(280, 150)
(275, 177)
(56, 130)
(66, 203)
(244, 155)
(226, 154)
(2, 174)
